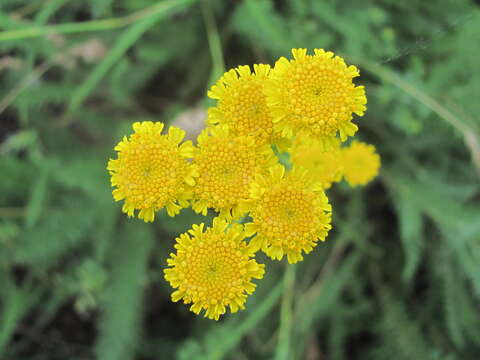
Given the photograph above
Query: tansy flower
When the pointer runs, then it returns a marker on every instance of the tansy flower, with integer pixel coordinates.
(360, 162)
(213, 268)
(290, 213)
(241, 102)
(323, 164)
(227, 165)
(315, 95)
(151, 171)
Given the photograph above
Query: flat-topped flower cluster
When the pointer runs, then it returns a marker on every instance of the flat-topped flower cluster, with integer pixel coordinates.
(304, 107)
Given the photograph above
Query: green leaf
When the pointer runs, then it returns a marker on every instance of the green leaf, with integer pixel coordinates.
(324, 297)
(400, 330)
(38, 197)
(410, 219)
(453, 317)
(16, 302)
(60, 231)
(100, 7)
(119, 324)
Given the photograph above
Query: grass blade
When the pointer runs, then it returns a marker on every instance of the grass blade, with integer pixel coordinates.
(283, 344)
(125, 41)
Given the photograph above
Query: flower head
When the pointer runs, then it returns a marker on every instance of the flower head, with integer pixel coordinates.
(360, 162)
(213, 269)
(290, 213)
(241, 102)
(324, 165)
(314, 94)
(151, 171)
(227, 165)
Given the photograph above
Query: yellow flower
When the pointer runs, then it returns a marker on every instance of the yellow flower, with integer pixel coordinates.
(324, 165)
(213, 269)
(361, 163)
(151, 171)
(315, 95)
(226, 165)
(290, 213)
(242, 104)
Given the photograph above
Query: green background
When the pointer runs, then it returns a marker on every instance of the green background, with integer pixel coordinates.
(398, 278)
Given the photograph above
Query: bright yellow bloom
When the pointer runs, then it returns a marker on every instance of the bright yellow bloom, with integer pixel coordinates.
(324, 165)
(227, 165)
(361, 163)
(242, 104)
(290, 213)
(315, 95)
(213, 269)
(151, 171)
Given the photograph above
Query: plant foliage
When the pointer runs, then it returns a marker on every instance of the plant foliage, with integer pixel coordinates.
(398, 277)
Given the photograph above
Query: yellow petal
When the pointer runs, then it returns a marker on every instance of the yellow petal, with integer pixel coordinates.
(175, 134)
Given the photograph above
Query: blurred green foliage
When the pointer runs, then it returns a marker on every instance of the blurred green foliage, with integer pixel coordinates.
(398, 278)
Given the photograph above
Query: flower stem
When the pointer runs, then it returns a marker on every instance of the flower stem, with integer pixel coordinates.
(283, 351)
(214, 42)
(86, 26)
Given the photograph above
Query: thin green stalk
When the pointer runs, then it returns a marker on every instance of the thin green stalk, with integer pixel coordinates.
(48, 10)
(94, 25)
(29, 8)
(124, 42)
(255, 315)
(265, 25)
(323, 294)
(67, 28)
(31, 77)
(17, 302)
(214, 42)
(33, 74)
(283, 351)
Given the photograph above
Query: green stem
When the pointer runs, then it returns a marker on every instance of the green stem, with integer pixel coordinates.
(283, 351)
(236, 334)
(123, 43)
(94, 25)
(214, 42)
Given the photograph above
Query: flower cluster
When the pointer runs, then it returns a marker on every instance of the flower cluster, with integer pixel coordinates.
(303, 107)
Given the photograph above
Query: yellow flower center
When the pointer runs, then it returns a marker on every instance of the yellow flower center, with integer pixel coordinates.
(361, 163)
(314, 94)
(244, 105)
(213, 271)
(321, 94)
(151, 173)
(290, 213)
(324, 165)
(224, 174)
(227, 165)
(286, 216)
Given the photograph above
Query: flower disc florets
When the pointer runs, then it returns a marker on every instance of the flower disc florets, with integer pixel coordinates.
(242, 104)
(290, 213)
(152, 171)
(227, 165)
(315, 95)
(323, 164)
(361, 163)
(213, 269)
